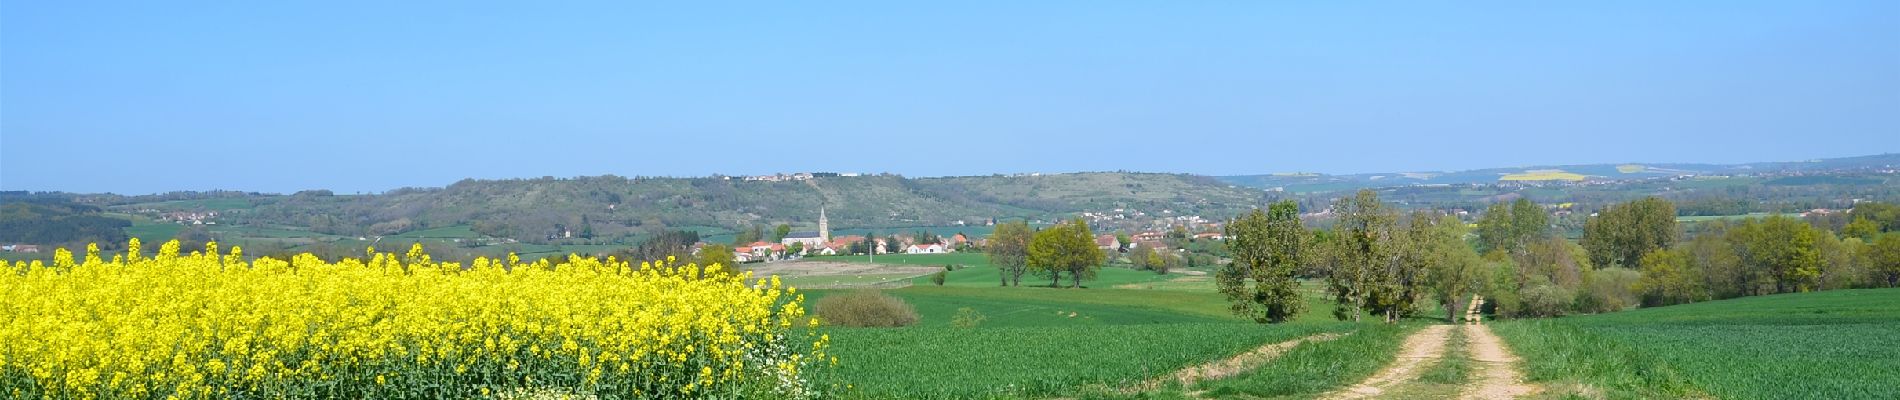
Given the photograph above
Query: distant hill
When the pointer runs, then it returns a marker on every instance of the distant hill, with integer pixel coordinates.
(612, 206)
(1318, 183)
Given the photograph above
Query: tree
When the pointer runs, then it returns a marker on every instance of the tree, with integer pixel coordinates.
(1008, 250)
(754, 233)
(1510, 227)
(893, 245)
(666, 243)
(1267, 249)
(1863, 228)
(780, 232)
(1068, 247)
(1360, 256)
(1668, 278)
(1622, 234)
(1779, 254)
(715, 254)
(1884, 256)
(1139, 257)
(1455, 270)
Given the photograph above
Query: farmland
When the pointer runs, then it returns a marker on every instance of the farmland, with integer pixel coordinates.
(1543, 175)
(1834, 344)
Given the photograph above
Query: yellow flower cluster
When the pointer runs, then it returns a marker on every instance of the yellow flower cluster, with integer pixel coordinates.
(212, 325)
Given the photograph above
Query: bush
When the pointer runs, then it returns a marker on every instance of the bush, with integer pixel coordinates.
(1608, 289)
(967, 318)
(1546, 300)
(868, 308)
(938, 278)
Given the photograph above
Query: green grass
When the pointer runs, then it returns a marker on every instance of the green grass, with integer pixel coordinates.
(447, 232)
(933, 362)
(1834, 344)
(1315, 368)
(1030, 346)
(149, 231)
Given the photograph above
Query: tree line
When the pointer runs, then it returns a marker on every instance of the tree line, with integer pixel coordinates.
(1377, 261)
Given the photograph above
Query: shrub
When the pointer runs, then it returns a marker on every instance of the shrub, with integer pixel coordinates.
(967, 318)
(1546, 300)
(1608, 289)
(868, 308)
(938, 278)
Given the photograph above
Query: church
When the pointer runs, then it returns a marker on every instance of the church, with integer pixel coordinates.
(812, 240)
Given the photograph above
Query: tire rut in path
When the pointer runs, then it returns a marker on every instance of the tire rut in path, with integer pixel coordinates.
(1419, 351)
(1230, 366)
(1497, 376)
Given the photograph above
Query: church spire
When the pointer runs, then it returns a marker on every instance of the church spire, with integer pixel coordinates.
(824, 225)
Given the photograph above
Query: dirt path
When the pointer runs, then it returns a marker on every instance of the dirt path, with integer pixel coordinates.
(1231, 366)
(1497, 376)
(1420, 350)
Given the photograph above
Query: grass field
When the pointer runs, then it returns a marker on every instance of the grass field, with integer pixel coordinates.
(1833, 344)
(447, 232)
(1039, 342)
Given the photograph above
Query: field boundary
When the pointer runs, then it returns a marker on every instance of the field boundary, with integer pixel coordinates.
(887, 284)
(1231, 366)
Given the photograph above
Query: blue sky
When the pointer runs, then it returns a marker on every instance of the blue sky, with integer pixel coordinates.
(367, 96)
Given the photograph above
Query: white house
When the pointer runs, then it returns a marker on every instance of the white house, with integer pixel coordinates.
(925, 249)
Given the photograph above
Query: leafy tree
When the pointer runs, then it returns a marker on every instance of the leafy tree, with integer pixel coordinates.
(1884, 256)
(1361, 257)
(666, 243)
(1622, 234)
(1779, 254)
(1863, 228)
(780, 232)
(928, 237)
(1008, 250)
(1068, 247)
(1267, 247)
(749, 235)
(715, 254)
(1455, 270)
(1511, 227)
(1669, 278)
(1884, 215)
(893, 245)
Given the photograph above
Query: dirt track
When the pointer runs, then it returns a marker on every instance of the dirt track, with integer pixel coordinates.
(1497, 375)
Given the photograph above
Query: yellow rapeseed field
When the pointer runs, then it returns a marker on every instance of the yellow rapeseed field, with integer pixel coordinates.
(213, 325)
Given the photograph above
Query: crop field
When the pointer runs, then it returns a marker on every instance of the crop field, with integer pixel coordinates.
(212, 325)
(1833, 344)
(1130, 335)
(1543, 175)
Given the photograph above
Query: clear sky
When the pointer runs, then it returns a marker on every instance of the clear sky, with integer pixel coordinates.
(143, 97)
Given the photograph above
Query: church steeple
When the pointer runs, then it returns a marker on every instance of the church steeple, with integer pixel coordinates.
(824, 225)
